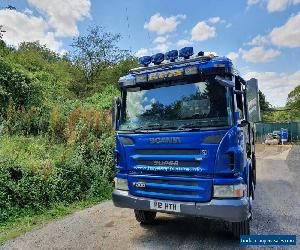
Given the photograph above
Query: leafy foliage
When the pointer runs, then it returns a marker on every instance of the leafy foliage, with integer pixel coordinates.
(56, 142)
(1, 32)
(94, 53)
(293, 102)
(17, 85)
(264, 104)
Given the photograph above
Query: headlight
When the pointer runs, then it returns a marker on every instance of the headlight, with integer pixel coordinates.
(229, 191)
(121, 184)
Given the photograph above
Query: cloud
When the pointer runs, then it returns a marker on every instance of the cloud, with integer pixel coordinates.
(287, 35)
(63, 15)
(142, 52)
(258, 41)
(280, 5)
(160, 39)
(216, 20)
(162, 25)
(21, 27)
(232, 55)
(183, 43)
(202, 31)
(253, 2)
(274, 5)
(162, 47)
(259, 54)
(276, 86)
(228, 25)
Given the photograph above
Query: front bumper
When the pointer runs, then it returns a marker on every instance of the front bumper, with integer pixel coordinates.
(233, 210)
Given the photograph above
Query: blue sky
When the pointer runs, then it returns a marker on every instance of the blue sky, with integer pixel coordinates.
(261, 36)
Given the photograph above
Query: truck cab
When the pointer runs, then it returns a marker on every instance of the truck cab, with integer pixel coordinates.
(185, 143)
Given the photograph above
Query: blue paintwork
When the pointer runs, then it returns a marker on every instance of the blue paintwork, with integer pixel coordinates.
(213, 168)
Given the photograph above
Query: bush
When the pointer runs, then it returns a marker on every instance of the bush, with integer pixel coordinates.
(41, 174)
(18, 86)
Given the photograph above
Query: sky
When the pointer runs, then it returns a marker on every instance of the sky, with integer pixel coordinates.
(262, 37)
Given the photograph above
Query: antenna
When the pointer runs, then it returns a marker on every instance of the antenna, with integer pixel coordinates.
(128, 27)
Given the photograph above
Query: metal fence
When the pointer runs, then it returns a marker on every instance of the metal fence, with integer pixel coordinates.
(262, 129)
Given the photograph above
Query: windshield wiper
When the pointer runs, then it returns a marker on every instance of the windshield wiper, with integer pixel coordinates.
(191, 125)
(147, 127)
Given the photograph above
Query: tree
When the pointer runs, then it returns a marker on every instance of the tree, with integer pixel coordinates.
(264, 104)
(95, 52)
(293, 102)
(18, 86)
(1, 32)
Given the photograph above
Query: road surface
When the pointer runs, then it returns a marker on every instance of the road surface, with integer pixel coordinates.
(276, 211)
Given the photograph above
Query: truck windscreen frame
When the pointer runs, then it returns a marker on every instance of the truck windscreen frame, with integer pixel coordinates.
(191, 103)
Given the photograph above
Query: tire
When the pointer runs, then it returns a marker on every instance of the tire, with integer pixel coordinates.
(240, 228)
(145, 217)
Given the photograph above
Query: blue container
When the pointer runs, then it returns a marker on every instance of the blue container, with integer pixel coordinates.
(284, 136)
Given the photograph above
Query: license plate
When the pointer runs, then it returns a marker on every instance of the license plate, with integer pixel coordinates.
(165, 206)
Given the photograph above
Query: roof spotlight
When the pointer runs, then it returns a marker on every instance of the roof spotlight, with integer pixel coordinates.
(200, 53)
(158, 58)
(171, 55)
(145, 60)
(186, 52)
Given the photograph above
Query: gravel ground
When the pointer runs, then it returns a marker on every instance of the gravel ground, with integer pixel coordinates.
(276, 211)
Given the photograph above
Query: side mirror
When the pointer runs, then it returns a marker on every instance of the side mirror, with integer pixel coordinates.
(224, 82)
(116, 108)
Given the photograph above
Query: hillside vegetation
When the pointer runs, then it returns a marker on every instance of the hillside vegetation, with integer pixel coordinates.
(289, 113)
(56, 140)
(55, 122)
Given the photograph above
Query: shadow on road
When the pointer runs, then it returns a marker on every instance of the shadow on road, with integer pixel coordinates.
(171, 232)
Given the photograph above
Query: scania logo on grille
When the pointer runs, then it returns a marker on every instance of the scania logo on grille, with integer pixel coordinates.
(165, 163)
(139, 184)
(165, 140)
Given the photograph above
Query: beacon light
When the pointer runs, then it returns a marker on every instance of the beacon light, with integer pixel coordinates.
(145, 60)
(186, 52)
(171, 55)
(158, 58)
(201, 53)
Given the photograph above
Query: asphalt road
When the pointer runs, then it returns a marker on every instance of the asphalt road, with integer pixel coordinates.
(276, 211)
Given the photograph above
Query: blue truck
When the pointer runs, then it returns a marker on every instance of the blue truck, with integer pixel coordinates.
(185, 139)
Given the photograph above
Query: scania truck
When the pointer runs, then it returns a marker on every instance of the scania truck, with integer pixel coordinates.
(185, 139)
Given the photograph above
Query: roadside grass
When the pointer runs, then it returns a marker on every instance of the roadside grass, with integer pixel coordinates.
(18, 226)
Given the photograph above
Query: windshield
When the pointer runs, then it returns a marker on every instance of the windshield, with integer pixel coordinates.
(181, 105)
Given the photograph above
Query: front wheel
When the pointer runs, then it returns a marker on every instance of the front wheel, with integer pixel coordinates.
(240, 228)
(145, 217)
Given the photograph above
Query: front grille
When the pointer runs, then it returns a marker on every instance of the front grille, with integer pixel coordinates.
(169, 163)
(171, 188)
(170, 182)
(168, 151)
(168, 191)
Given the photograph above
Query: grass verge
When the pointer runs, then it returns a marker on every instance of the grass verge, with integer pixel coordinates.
(18, 226)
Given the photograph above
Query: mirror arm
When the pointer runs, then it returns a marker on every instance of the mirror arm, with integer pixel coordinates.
(224, 82)
(239, 92)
